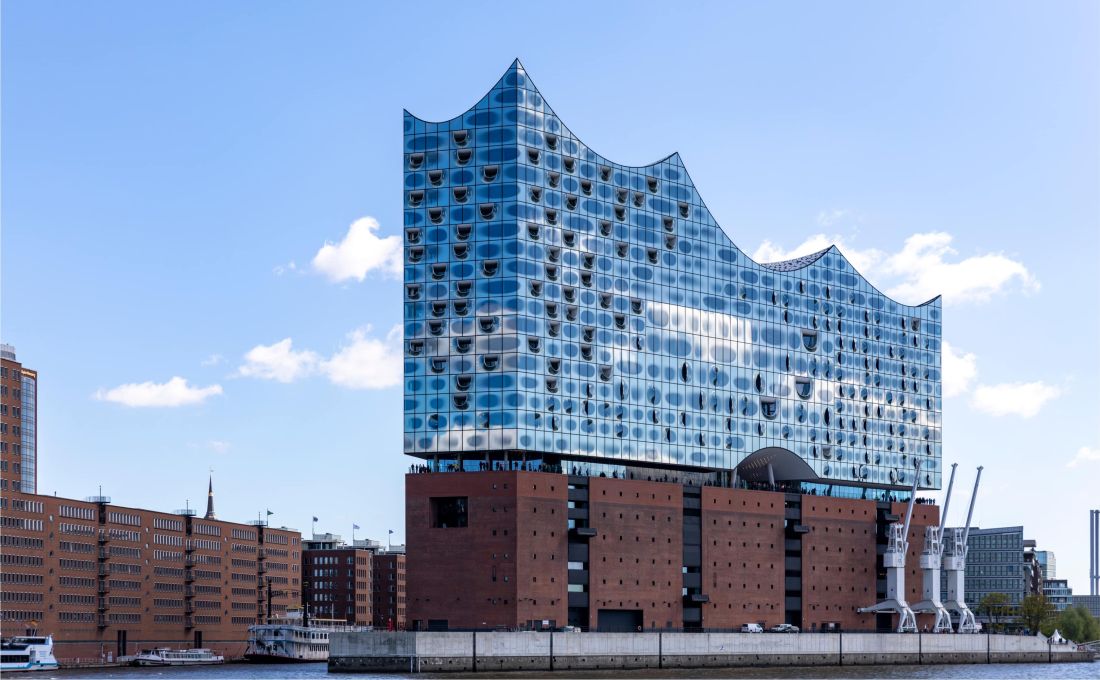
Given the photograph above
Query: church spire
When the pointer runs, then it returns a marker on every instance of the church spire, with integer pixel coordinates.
(210, 499)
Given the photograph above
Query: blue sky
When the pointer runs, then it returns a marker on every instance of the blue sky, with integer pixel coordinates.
(172, 171)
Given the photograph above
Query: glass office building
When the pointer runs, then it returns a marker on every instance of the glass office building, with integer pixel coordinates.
(562, 309)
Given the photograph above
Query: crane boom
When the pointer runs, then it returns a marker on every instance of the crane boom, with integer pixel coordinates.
(947, 504)
(970, 513)
(912, 500)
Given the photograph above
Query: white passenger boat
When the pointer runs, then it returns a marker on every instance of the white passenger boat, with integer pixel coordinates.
(27, 653)
(293, 638)
(163, 656)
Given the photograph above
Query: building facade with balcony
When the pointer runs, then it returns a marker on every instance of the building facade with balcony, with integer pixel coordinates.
(105, 579)
(580, 332)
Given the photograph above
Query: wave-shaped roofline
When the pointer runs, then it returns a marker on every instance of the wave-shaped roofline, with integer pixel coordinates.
(784, 266)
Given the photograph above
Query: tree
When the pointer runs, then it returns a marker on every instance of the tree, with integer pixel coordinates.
(994, 605)
(1035, 611)
(1075, 623)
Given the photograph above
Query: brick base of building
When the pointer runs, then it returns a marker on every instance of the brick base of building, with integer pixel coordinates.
(533, 550)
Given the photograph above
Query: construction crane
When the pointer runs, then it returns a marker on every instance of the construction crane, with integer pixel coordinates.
(894, 561)
(930, 560)
(954, 564)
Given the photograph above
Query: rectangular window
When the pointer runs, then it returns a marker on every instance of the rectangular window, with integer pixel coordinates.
(449, 512)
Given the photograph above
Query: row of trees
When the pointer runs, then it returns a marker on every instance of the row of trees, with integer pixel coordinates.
(1037, 613)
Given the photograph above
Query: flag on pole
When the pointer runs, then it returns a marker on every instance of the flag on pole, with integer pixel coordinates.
(391, 531)
(316, 520)
(356, 526)
(269, 513)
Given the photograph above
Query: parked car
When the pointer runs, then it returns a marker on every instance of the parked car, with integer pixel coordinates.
(784, 628)
(752, 628)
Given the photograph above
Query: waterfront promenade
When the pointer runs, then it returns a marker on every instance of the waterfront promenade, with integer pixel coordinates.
(466, 652)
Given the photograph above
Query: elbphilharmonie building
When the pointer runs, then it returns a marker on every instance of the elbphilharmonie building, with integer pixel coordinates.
(564, 311)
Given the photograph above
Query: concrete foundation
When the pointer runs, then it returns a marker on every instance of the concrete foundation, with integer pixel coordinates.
(424, 652)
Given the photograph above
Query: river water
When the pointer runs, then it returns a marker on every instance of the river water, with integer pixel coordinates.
(296, 671)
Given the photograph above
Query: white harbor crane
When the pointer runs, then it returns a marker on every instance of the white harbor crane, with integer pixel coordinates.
(930, 560)
(894, 561)
(954, 564)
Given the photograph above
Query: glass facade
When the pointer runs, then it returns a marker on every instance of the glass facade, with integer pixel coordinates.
(562, 307)
(996, 563)
(29, 433)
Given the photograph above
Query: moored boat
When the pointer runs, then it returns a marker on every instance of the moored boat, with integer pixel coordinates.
(163, 656)
(27, 653)
(294, 638)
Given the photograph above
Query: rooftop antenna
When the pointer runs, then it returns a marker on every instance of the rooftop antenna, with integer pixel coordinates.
(894, 561)
(954, 564)
(930, 561)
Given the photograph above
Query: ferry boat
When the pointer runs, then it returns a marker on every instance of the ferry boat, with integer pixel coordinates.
(163, 656)
(295, 638)
(27, 653)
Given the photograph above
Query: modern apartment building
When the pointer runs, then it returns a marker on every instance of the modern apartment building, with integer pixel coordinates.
(18, 424)
(1058, 593)
(1048, 563)
(621, 419)
(997, 562)
(337, 577)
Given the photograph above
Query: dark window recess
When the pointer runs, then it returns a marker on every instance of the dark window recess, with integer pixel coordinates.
(809, 340)
(449, 512)
(769, 407)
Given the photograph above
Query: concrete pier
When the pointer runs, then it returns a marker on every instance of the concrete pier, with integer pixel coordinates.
(426, 652)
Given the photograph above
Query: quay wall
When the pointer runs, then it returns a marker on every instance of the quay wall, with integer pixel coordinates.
(467, 652)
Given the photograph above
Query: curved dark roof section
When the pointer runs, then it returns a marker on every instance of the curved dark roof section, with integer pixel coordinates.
(796, 263)
(506, 92)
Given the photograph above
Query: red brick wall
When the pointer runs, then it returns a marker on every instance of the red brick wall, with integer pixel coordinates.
(838, 562)
(64, 582)
(635, 559)
(542, 557)
(389, 591)
(471, 576)
(742, 557)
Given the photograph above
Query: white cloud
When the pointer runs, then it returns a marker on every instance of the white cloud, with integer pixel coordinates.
(175, 392)
(922, 265)
(364, 363)
(827, 218)
(1085, 454)
(360, 253)
(213, 360)
(278, 361)
(1013, 399)
(218, 446)
(959, 370)
(281, 269)
(922, 268)
(367, 363)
